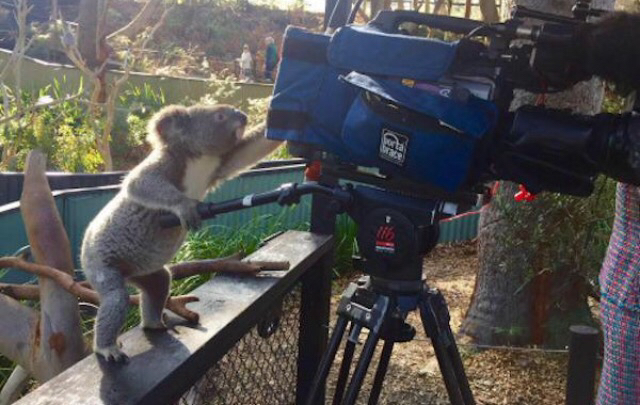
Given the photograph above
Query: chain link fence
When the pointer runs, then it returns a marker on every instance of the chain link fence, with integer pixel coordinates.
(261, 368)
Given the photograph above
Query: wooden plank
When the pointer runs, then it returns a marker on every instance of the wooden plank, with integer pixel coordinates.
(164, 365)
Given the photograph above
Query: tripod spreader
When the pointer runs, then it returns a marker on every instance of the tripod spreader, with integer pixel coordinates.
(286, 194)
(383, 314)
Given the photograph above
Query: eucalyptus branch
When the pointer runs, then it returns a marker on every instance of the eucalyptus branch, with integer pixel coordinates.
(66, 281)
(175, 304)
(140, 21)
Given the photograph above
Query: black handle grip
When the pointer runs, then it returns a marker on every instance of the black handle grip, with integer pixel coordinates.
(389, 21)
(170, 220)
(286, 194)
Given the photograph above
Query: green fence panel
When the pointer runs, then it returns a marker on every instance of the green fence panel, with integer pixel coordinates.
(37, 74)
(78, 210)
(459, 229)
(12, 238)
(78, 207)
(259, 181)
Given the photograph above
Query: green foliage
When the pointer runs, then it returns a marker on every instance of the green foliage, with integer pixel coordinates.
(52, 121)
(6, 367)
(613, 102)
(137, 105)
(57, 124)
(215, 31)
(565, 234)
(346, 231)
(220, 91)
(258, 110)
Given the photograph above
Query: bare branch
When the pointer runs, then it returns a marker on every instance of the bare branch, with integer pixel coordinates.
(437, 6)
(159, 24)
(14, 385)
(175, 304)
(187, 269)
(29, 292)
(140, 21)
(54, 11)
(489, 11)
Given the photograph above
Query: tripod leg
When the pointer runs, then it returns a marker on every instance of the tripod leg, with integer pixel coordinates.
(458, 368)
(435, 320)
(383, 365)
(345, 367)
(327, 359)
(361, 368)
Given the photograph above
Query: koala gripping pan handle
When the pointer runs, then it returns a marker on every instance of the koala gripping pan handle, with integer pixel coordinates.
(286, 194)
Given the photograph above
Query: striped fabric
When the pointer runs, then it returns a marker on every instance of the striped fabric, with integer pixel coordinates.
(620, 378)
(620, 304)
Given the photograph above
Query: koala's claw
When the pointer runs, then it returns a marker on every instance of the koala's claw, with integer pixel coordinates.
(112, 354)
(189, 216)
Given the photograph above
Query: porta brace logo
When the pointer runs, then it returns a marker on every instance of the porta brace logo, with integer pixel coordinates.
(393, 146)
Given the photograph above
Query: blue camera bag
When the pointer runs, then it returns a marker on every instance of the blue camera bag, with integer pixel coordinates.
(348, 95)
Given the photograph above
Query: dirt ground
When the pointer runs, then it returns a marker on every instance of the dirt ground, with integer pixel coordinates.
(496, 376)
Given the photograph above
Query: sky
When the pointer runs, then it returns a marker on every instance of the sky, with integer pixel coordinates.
(314, 5)
(309, 5)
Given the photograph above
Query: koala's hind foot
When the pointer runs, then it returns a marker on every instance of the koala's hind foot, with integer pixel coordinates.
(154, 326)
(114, 300)
(112, 354)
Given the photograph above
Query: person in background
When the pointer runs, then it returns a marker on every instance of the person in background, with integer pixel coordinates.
(246, 64)
(271, 58)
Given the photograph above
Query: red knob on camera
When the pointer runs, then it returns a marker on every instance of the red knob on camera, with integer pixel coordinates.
(313, 171)
(524, 195)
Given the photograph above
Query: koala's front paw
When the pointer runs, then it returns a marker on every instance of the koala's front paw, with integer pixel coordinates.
(188, 214)
(111, 354)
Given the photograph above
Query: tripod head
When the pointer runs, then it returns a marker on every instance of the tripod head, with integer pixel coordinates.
(395, 232)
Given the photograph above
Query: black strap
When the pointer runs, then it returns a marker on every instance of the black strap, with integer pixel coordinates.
(305, 50)
(407, 117)
(285, 119)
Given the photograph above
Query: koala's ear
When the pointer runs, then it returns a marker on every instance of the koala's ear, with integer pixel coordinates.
(167, 125)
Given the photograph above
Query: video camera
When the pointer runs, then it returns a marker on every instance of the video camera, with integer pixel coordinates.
(387, 103)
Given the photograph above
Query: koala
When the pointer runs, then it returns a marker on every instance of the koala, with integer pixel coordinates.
(193, 150)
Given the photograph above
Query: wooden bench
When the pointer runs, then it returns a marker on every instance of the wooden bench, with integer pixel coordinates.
(165, 365)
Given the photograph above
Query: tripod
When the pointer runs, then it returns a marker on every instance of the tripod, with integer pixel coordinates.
(370, 304)
(394, 235)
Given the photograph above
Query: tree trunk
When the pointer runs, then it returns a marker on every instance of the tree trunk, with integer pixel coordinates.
(527, 290)
(92, 45)
(58, 342)
(87, 32)
(489, 11)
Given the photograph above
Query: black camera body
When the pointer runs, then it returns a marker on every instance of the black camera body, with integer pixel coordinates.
(384, 105)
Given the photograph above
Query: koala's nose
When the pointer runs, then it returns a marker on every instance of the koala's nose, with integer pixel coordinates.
(240, 116)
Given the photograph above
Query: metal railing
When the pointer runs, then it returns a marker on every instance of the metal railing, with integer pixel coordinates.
(249, 347)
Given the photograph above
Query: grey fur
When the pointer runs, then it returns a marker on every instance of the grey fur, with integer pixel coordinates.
(194, 148)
